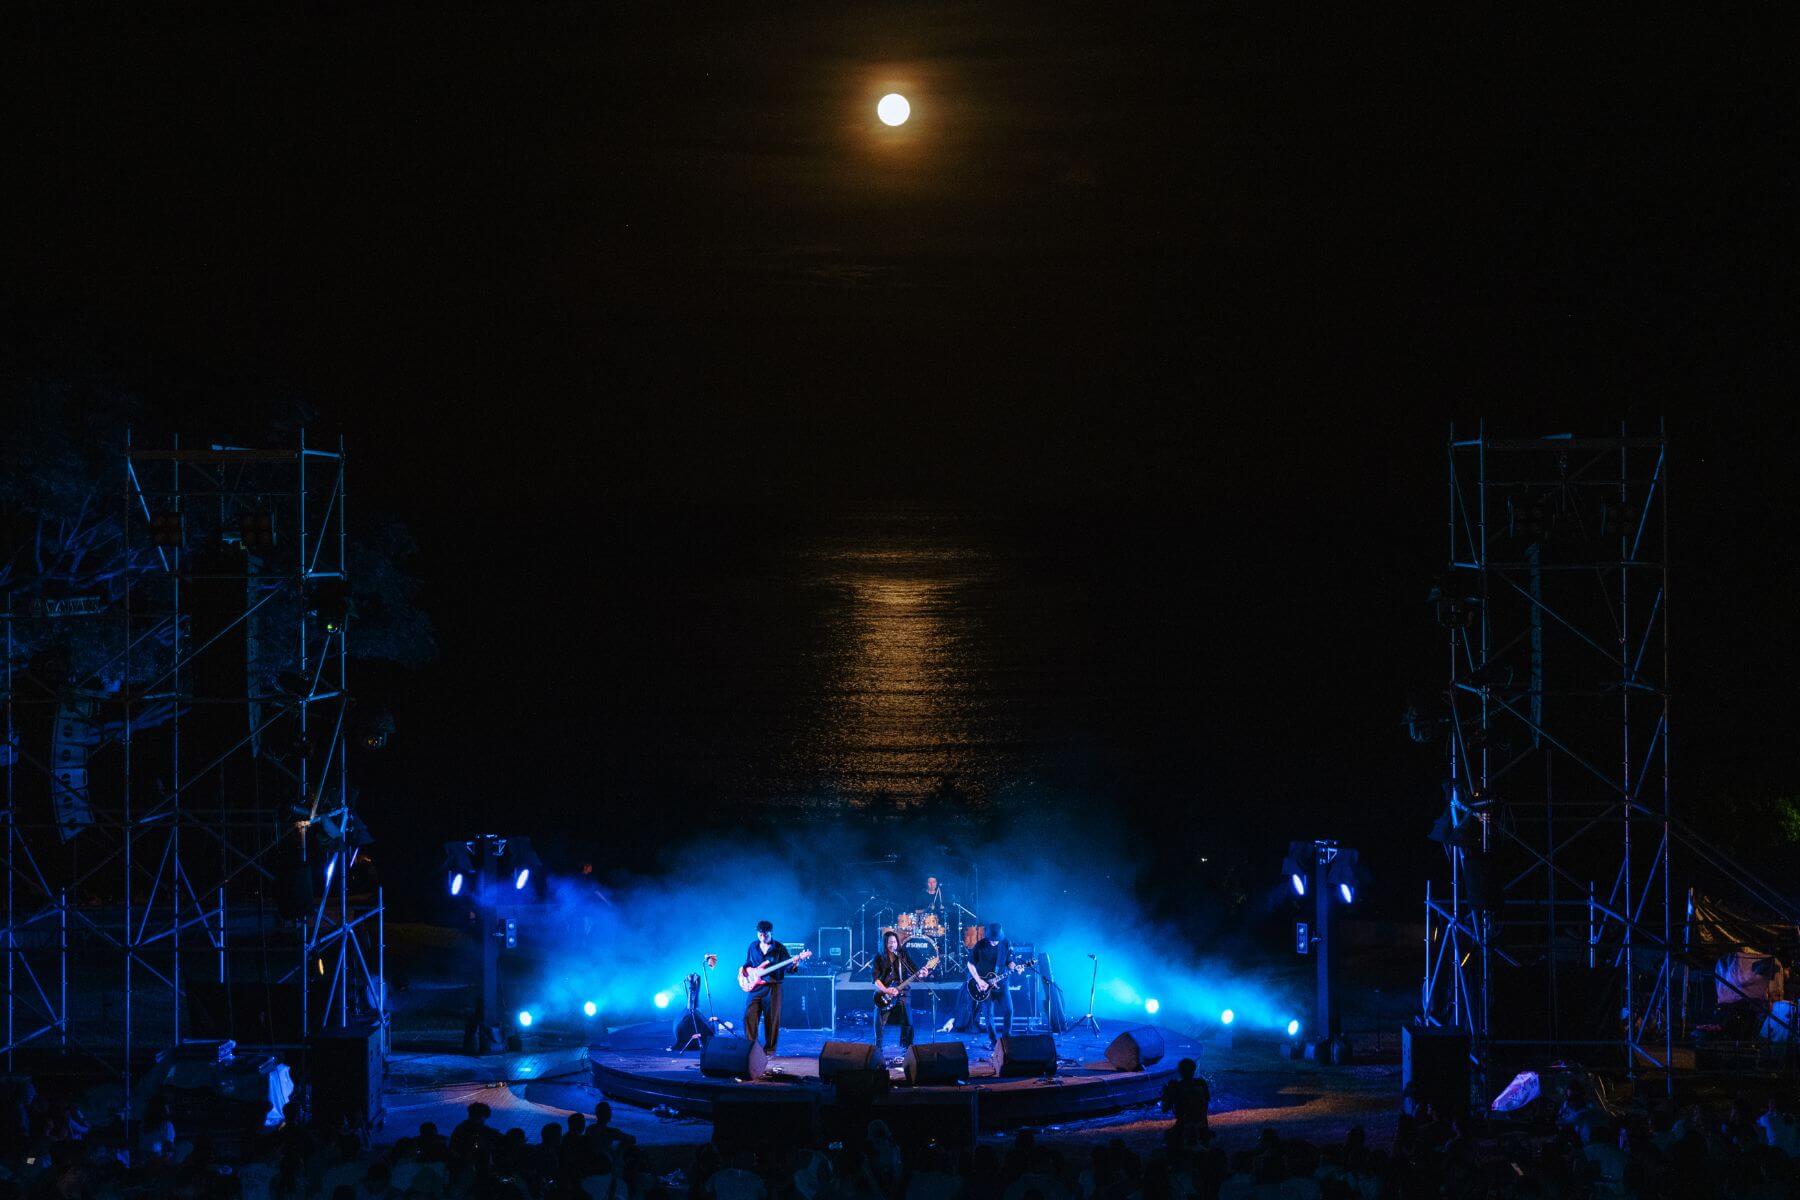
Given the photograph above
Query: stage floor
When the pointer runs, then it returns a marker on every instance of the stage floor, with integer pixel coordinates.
(633, 1064)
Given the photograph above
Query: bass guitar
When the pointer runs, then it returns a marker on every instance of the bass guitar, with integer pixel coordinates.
(981, 995)
(884, 1001)
(750, 978)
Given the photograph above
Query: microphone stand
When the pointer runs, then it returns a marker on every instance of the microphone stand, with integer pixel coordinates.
(1087, 1018)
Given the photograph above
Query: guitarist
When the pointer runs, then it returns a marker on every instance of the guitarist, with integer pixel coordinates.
(893, 966)
(764, 1000)
(991, 958)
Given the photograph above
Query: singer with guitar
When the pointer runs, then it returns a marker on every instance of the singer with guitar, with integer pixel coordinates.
(894, 969)
(760, 976)
(990, 962)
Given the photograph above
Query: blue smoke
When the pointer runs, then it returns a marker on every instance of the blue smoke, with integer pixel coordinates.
(1068, 891)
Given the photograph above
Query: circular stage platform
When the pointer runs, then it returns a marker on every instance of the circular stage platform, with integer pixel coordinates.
(633, 1064)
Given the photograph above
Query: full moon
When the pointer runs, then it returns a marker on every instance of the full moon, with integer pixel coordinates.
(893, 109)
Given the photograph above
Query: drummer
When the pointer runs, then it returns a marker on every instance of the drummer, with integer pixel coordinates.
(934, 896)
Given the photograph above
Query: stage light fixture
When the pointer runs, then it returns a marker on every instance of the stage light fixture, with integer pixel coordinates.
(330, 869)
(1298, 865)
(1347, 874)
(1293, 1028)
(662, 999)
(459, 867)
(1227, 1017)
(521, 860)
(1152, 1006)
(525, 1017)
(591, 1009)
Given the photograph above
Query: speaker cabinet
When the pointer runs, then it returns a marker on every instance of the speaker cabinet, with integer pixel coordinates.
(809, 1002)
(1434, 1064)
(733, 1058)
(838, 1057)
(344, 1065)
(1135, 1049)
(933, 1064)
(1025, 1055)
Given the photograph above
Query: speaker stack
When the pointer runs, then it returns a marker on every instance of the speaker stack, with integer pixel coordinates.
(1024, 1056)
(1434, 1063)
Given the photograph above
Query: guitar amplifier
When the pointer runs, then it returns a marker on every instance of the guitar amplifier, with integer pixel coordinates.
(809, 1002)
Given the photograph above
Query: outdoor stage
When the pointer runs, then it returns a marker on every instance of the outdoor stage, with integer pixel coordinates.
(634, 1064)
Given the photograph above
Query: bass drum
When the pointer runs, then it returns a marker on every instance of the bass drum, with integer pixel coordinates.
(972, 933)
(919, 948)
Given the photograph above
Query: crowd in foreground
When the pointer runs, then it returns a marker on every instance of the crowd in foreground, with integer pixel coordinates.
(1583, 1150)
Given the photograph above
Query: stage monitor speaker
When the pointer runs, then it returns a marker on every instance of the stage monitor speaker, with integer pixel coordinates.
(733, 1058)
(1025, 1055)
(344, 1065)
(1135, 1049)
(1434, 1066)
(933, 1064)
(838, 1057)
(775, 1120)
(809, 1002)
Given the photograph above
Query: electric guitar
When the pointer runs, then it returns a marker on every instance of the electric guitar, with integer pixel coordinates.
(884, 1001)
(981, 995)
(751, 978)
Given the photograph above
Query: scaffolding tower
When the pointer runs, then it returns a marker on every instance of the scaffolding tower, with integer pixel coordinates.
(1556, 928)
(180, 843)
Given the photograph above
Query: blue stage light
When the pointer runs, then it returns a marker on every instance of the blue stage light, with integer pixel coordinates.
(662, 999)
(456, 883)
(1299, 882)
(525, 1017)
(1227, 1017)
(330, 869)
(1293, 1029)
(1152, 1005)
(521, 877)
(590, 1008)
(1347, 892)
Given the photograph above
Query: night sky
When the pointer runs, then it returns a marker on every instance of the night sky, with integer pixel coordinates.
(1169, 311)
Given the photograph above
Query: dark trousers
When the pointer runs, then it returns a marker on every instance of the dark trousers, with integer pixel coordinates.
(765, 1008)
(999, 998)
(899, 1014)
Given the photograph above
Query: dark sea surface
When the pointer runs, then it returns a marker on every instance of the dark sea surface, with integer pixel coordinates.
(711, 671)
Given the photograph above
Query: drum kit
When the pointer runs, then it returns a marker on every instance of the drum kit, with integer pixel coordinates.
(947, 934)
